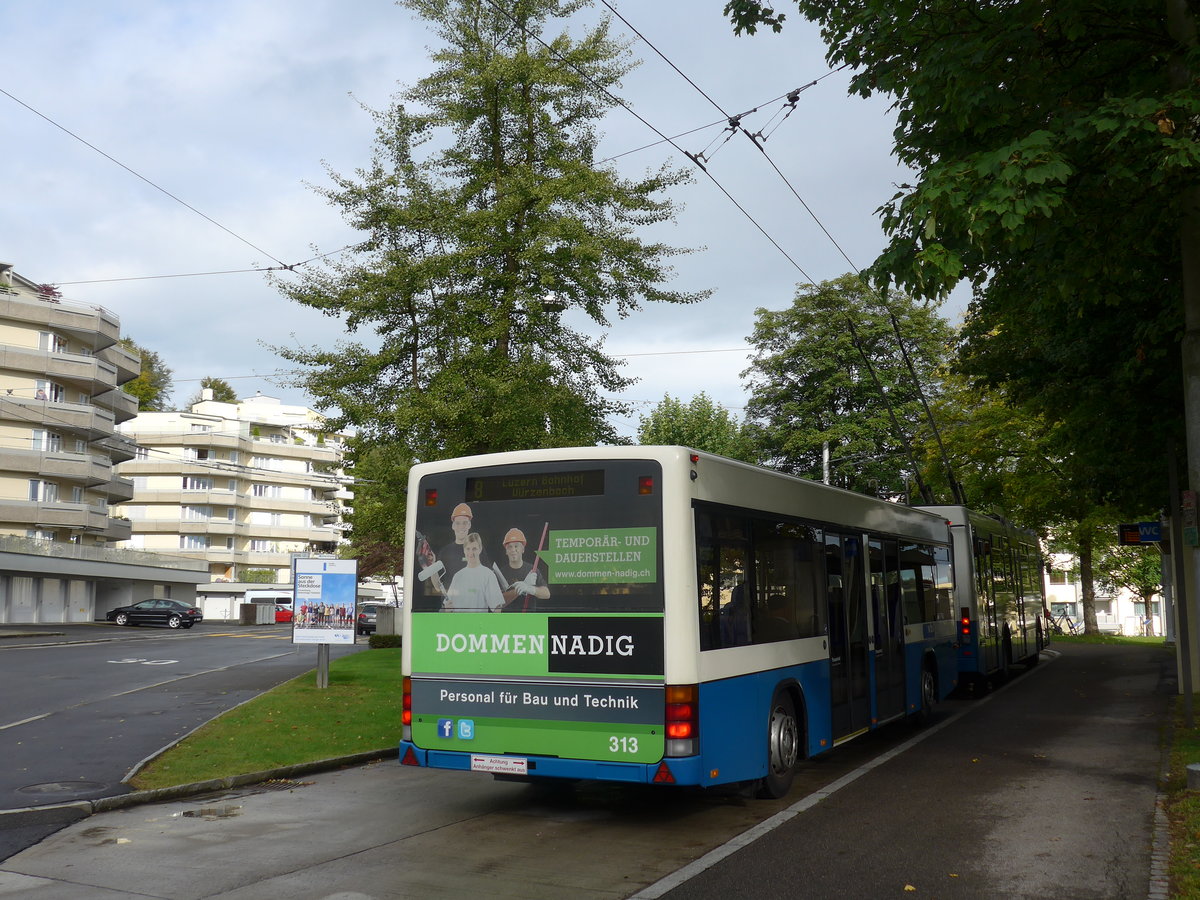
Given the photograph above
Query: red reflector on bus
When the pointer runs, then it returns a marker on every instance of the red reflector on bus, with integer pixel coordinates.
(663, 775)
(431, 496)
(410, 758)
(406, 704)
(645, 484)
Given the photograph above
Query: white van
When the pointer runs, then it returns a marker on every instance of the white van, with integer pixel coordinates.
(282, 599)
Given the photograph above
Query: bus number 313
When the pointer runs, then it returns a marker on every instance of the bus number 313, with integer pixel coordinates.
(622, 745)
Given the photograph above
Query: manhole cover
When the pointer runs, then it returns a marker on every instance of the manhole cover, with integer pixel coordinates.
(61, 788)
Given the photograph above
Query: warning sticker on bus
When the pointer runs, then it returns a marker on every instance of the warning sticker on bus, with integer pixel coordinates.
(500, 765)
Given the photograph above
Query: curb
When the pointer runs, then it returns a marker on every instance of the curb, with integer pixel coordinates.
(157, 795)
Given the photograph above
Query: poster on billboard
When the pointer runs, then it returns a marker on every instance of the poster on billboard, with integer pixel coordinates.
(323, 609)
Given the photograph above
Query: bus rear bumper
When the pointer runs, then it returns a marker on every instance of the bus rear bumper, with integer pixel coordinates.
(686, 770)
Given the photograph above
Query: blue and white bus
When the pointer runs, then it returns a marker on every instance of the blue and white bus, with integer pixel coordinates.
(999, 596)
(680, 618)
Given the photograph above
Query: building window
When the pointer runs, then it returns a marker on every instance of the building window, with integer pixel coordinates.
(39, 534)
(141, 453)
(47, 441)
(48, 390)
(267, 490)
(261, 546)
(43, 491)
(228, 543)
(233, 456)
(54, 343)
(199, 453)
(198, 428)
(197, 513)
(76, 494)
(193, 542)
(197, 483)
(233, 484)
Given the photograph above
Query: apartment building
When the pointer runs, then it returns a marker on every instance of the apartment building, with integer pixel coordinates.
(244, 486)
(61, 371)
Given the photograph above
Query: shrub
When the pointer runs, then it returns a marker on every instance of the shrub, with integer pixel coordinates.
(384, 641)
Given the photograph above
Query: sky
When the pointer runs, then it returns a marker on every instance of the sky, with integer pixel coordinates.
(149, 138)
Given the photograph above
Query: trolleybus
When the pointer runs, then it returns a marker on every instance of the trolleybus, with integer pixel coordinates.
(660, 615)
(999, 596)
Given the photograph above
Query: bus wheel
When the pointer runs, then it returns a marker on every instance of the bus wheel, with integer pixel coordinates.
(783, 748)
(928, 696)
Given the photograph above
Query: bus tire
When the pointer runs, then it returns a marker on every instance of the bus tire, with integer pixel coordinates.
(783, 747)
(928, 698)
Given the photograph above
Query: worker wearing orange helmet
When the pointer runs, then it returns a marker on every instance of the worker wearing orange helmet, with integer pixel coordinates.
(522, 583)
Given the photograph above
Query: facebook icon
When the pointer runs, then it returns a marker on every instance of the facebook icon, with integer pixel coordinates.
(445, 727)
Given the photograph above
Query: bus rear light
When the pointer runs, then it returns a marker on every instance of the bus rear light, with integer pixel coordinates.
(406, 707)
(964, 623)
(682, 719)
(679, 730)
(431, 496)
(645, 484)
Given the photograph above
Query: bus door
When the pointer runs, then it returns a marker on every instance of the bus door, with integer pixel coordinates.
(986, 623)
(889, 629)
(848, 638)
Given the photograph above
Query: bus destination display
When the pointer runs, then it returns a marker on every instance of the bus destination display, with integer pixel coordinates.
(537, 486)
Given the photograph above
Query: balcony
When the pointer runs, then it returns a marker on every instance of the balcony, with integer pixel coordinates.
(118, 447)
(63, 550)
(118, 489)
(123, 406)
(75, 467)
(39, 514)
(89, 422)
(92, 326)
(86, 373)
(127, 365)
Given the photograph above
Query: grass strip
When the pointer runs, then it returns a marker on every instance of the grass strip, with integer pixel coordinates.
(293, 723)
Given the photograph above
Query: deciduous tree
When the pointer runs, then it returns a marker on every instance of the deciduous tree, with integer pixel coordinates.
(825, 372)
(154, 386)
(700, 424)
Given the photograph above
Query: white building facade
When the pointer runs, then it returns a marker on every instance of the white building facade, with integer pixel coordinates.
(243, 486)
(1116, 613)
(61, 402)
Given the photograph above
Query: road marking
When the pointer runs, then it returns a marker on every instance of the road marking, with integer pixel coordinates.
(25, 721)
(710, 859)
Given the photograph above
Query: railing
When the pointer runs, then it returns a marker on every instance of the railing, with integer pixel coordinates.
(63, 550)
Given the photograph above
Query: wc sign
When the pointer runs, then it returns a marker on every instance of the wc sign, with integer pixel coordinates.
(1139, 533)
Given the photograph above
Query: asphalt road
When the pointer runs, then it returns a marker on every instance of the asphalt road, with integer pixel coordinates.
(83, 706)
(1046, 789)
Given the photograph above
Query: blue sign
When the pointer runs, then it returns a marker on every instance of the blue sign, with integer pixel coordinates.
(1150, 532)
(445, 728)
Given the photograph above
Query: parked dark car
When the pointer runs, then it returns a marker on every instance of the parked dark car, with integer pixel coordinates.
(171, 613)
(367, 614)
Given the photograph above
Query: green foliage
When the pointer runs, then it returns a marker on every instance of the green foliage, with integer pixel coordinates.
(385, 641)
(256, 576)
(810, 386)
(1055, 150)
(1137, 569)
(485, 225)
(380, 505)
(223, 391)
(154, 385)
(700, 424)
